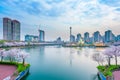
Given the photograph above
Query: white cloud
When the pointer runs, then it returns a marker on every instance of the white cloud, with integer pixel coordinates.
(82, 15)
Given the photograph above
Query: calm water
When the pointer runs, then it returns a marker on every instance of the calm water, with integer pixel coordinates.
(59, 63)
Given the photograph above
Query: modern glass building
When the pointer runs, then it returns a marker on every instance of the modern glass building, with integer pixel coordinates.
(11, 29)
(72, 38)
(31, 38)
(78, 37)
(109, 36)
(118, 38)
(86, 37)
(41, 36)
(97, 37)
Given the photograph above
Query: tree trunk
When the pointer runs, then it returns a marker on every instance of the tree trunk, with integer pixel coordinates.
(1, 58)
(109, 60)
(23, 61)
(116, 60)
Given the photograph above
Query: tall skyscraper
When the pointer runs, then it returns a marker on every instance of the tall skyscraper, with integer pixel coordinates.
(109, 36)
(118, 38)
(11, 29)
(41, 35)
(7, 29)
(16, 30)
(86, 37)
(78, 37)
(72, 38)
(97, 37)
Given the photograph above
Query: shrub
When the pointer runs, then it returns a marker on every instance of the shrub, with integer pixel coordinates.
(107, 70)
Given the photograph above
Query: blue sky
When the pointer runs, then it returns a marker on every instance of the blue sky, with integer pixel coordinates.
(56, 16)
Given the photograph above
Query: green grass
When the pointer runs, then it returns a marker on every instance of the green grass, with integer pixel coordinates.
(20, 66)
(107, 70)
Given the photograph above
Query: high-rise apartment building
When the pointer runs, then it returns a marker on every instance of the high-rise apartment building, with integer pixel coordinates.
(86, 37)
(97, 37)
(7, 29)
(41, 36)
(109, 36)
(11, 29)
(15, 30)
(78, 37)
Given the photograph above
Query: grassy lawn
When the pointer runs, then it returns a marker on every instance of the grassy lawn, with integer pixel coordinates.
(107, 70)
(20, 66)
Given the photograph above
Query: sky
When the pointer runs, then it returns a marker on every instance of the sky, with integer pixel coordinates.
(56, 16)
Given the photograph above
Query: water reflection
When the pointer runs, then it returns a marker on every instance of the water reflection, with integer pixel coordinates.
(41, 50)
(59, 63)
(71, 55)
(79, 50)
(86, 51)
(94, 77)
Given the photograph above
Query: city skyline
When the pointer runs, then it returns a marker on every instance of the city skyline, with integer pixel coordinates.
(55, 17)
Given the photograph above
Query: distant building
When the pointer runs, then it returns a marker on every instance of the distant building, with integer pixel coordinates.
(58, 39)
(70, 34)
(78, 37)
(41, 36)
(118, 38)
(72, 38)
(11, 29)
(31, 38)
(91, 40)
(97, 37)
(86, 37)
(109, 36)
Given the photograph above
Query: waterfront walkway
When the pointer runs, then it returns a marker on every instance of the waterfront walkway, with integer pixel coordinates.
(6, 71)
(116, 75)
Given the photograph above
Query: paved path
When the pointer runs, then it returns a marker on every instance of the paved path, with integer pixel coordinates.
(116, 75)
(6, 71)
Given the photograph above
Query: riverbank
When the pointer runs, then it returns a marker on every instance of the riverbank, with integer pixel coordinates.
(12, 70)
(109, 72)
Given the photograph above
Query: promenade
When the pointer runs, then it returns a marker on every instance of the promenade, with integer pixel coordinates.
(116, 75)
(6, 71)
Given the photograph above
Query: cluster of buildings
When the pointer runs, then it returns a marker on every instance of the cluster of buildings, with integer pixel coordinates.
(34, 38)
(11, 29)
(108, 37)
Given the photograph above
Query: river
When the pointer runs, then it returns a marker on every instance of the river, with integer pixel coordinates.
(61, 63)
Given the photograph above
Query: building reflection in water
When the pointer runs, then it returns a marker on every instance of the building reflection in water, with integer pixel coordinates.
(41, 50)
(86, 52)
(79, 50)
(71, 56)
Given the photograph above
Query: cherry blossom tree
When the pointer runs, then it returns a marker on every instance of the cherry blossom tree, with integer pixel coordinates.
(115, 52)
(112, 51)
(12, 54)
(98, 57)
(23, 55)
(2, 54)
(109, 54)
